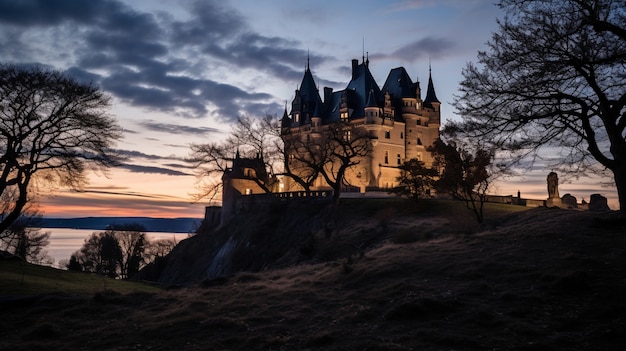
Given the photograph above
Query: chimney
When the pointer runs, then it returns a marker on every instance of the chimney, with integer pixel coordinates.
(327, 94)
(355, 65)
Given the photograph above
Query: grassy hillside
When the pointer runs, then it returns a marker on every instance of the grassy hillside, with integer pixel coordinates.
(18, 279)
(422, 277)
(285, 234)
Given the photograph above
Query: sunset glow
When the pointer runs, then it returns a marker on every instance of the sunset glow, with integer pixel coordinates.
(182, 72)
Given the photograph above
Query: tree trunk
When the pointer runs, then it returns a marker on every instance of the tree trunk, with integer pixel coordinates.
(19, 206)
(336, 195)
(620, 182)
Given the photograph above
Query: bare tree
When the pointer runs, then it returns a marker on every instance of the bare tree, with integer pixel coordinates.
(251, 138)
(24, 239)
(132, 242)
(554, 76)
(51, 127)
(159, 249)
(330, 153)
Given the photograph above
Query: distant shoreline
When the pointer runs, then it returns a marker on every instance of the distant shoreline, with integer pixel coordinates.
(168, 225)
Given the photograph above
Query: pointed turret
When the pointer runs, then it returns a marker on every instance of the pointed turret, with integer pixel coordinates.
(307, 98)
(431, 100)
(285, 122)
(371, 100)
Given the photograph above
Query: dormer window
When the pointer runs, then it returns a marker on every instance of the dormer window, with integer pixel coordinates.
(344, 116)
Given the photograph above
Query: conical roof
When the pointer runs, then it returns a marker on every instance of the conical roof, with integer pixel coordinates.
(430, 92)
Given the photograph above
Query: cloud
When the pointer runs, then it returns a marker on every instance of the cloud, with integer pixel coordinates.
(424, 48)
(153, 170)
(152, 60)
(177, 128)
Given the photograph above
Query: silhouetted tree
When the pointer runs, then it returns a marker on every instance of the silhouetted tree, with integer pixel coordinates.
(554, 76)
(464, 174)
(416, 180)
(329, 153)
(252, 138)
(51, 127)
(159, 248)
(110, 255)
(121, 250)
(132, 243)
(24, 239)
(74, 264)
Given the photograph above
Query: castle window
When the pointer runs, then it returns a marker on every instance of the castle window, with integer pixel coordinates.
(401, 135)
(386, 157)
(419, 141)
(399, 160)
(419, 122)
(344, 116)
(297, 115)
(387, 134)
(248, 191)
(347, 135)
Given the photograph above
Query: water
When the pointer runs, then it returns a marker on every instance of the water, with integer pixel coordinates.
(65, 241)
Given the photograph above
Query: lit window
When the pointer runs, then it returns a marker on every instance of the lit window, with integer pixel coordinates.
(347, 135)
(344, 116)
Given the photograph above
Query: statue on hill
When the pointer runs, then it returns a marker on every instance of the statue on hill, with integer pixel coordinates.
(553, 186)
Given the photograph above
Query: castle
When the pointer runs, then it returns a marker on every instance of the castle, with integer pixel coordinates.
(399, 124)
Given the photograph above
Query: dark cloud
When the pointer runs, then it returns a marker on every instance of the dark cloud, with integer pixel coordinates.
(47, 12)
(110, 192)
(139, 154)
(177, 128)
(424, 48)
(153, 170)
(154, 61)
(179, 165)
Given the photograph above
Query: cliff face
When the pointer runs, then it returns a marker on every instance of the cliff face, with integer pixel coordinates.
(271, 236)
(285, 234)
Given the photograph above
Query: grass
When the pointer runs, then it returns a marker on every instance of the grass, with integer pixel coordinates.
(20, 278)
(541, 279)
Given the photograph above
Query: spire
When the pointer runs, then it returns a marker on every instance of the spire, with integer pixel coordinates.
(285, 122)
(431, 97)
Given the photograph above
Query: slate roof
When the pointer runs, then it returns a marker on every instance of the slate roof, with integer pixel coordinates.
(359, 88)
(309, 94)
(399, 84)
(430, 92)
(362, 91)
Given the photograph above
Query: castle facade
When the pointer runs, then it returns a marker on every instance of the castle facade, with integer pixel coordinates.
(400, 124)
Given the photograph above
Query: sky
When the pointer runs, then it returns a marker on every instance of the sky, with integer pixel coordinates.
(181, 71)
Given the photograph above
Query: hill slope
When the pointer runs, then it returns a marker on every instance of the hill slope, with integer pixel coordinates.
(541, 279)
